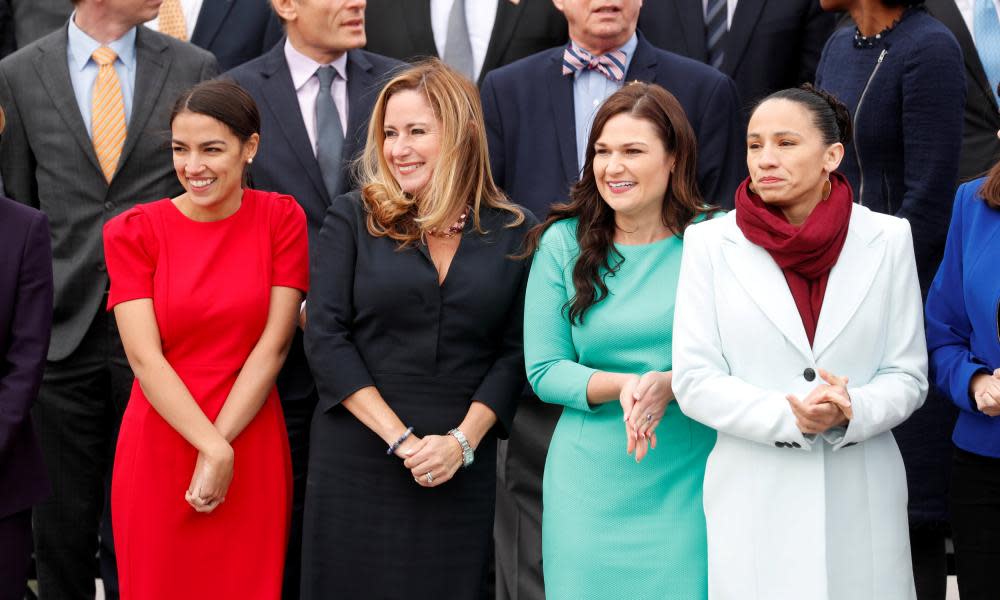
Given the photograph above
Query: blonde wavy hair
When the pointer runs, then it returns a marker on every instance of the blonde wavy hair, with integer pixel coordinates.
(462, 175)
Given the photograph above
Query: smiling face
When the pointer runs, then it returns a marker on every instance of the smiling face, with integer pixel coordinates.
(788, 161)
(209, 161)
(632, 167)
(600, 25)
(412, 140)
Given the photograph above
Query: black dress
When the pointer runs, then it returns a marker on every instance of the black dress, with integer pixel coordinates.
(377, 316)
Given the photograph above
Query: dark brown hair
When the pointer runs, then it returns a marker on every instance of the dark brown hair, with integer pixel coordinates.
(226, 102)
(595, 231)
(829, 114)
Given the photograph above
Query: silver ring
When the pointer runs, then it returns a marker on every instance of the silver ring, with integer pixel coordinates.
(429, 477)
(649, 417)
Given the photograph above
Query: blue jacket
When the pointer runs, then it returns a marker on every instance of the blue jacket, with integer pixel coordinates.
(963, 324)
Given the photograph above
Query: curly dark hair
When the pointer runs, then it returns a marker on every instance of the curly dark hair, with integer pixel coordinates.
(598, 258)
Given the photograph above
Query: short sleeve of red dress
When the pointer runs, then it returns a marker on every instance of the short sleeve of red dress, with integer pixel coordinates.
(289, 244)
(130, 251)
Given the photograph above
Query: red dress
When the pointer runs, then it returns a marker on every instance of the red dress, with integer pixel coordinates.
(210, 284)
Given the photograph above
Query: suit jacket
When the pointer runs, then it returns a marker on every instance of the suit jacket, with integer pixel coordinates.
(528, 107)
(48, 160)
(25, 323)
(236, 31)
(402, 29)
(980, 146)
(772, 45)
(285, 161)
(34, 19)
(788, 512)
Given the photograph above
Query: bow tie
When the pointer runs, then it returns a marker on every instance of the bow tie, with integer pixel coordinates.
(611, 65)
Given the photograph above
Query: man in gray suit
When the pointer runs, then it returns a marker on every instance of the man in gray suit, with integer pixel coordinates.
(49, 161)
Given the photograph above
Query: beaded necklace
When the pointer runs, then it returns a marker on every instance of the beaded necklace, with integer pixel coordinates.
(455, 228)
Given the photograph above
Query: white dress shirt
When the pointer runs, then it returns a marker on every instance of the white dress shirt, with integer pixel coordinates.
(968, 9)
(730, 9)
(191, 10)
(303, 70)
(480, 15)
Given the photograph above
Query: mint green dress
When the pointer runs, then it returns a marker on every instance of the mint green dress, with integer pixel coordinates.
(611, 527)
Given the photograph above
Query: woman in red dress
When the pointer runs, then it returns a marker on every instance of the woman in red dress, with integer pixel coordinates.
(206, 290)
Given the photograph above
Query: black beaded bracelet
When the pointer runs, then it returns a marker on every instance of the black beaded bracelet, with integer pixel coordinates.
(395, 445)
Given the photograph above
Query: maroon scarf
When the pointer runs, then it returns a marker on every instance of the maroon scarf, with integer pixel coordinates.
(806, 253)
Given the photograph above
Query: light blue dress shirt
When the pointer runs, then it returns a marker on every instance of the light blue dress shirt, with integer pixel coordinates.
(83, 69)
(590, 90)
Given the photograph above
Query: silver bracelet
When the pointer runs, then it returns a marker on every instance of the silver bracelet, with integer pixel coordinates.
(467, 454)
(395, 445)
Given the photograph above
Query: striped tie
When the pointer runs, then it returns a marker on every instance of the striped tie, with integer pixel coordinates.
(715, 31)
(107, 112)
(172, 20)
(611, 65)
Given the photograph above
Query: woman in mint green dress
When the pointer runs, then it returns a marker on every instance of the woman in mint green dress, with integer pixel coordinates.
(620, 519)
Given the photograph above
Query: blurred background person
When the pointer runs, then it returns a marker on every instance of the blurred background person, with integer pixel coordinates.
(472, 36)
(798, 336)
(87, 106)
(765, 46)
(963, 337)
(206, 289)
(901, 74)
(25, 325)
(619, 520)
(414, 338)
(7, 44)
(34, 19)
(310, 139)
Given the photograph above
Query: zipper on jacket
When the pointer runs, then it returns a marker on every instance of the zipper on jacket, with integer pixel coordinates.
(857, 111)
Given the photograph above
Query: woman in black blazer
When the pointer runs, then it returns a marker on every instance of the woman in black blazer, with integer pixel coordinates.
(414, 338)
(25, 326)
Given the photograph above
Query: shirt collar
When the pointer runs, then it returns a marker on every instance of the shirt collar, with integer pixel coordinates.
(628, 47)
(303, 68)
(82, 46)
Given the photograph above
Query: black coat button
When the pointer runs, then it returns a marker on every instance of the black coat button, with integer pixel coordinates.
(779, 444)
(796, 445)
(849, 444)
(809, 374)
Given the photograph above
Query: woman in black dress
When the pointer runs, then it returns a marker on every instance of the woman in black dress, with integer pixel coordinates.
(414, 337)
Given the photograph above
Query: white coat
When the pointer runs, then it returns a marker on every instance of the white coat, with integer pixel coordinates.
(793, 516)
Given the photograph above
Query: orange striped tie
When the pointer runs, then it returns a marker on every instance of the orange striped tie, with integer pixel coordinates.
(172, 20)
(107, 116)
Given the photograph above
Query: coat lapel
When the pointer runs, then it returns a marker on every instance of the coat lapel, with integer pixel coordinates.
(210, 19)
(53, 70)
(763, 281)
(946, 12)
(152, 63)
(417, 14)
(563, 116)
(643, 64)
(360, 82)
(279, 95)
(850, 279)
(508, 14)
(744, 22)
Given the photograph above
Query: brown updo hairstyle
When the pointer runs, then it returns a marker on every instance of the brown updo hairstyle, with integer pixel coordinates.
(228, 103)
(830, 116)
(682, 203)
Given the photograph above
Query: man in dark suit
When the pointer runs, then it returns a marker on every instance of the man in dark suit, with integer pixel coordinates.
(25, 325)
(235, 31)
(7, 44)
(285, 84)
(50, 160)
(980, 145)
(500, 31)
(537, 121)
(766, 45)
(34, 19)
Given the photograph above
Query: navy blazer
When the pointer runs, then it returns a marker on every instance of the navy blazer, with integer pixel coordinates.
(963, 315)
(25, 326)
(528, 106)
(236, 31)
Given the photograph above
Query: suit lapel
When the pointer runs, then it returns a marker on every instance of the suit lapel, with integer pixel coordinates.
(643, 65)
(563, 114)
(360, 80)
(504, 26)
(53, 70)
(210, 18)
(417, 14)
(763, 281)
(152, 63)
(279, 96)
(690, 15)
(744, 22)
(946, 12)
(850, 279)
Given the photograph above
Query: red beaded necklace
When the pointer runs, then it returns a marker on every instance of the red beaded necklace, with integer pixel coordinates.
(453, 229)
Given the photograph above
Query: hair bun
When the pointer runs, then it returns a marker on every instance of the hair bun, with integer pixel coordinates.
(840, 111)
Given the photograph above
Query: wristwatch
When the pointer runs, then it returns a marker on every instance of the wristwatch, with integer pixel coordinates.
(467, 454)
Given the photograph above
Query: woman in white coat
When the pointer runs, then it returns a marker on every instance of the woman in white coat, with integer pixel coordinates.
(798, 336)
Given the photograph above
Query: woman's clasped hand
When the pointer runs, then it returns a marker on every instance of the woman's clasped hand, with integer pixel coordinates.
(644, 401)
(828, 405)
(213, 472)
(433, 459)
(985, 390)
